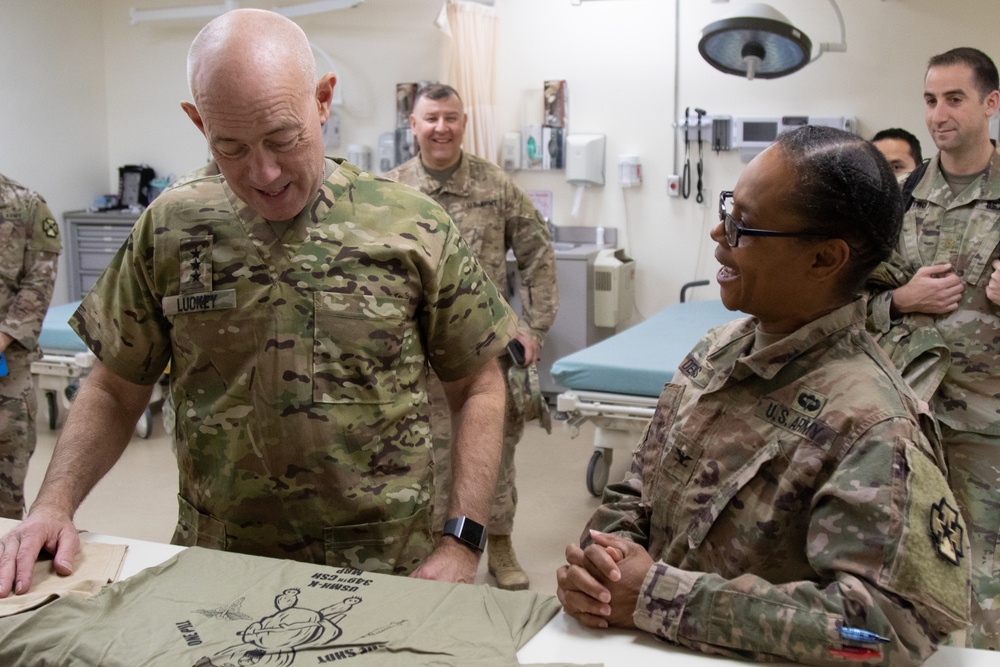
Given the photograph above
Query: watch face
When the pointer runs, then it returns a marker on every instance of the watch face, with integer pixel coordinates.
(473, 532)
(466, 531)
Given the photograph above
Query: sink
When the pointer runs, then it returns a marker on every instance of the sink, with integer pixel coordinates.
(564, 245)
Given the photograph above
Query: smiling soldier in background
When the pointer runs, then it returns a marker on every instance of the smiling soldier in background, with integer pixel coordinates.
(944, 282)
(494, 216)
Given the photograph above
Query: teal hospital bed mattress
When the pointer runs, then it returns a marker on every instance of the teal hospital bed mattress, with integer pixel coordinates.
(56, 335)
(641, 359)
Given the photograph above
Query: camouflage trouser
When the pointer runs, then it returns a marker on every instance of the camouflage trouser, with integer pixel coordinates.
(974, 475)
(17, 431)
(505, 499)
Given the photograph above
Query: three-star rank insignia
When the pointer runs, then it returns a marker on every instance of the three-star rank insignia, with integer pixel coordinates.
(946, 531)
(196, 265)
(50, 228)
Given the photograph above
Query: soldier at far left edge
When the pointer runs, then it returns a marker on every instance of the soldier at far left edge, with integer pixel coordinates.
(29, 256)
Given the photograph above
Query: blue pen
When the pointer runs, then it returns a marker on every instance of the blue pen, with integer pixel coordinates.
(3, 365)
(861, 635)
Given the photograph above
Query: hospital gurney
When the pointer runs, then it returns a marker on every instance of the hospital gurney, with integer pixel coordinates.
(615, 383)
(65, 362)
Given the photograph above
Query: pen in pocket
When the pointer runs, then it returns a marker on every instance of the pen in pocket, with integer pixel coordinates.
(861, 636)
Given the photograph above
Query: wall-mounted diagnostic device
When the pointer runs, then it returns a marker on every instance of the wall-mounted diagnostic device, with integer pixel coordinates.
(753, 135)
(716, 131)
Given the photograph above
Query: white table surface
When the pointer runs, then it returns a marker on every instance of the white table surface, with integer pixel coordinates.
(563, 639)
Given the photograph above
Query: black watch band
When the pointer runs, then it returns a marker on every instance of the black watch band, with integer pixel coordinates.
(466, 531)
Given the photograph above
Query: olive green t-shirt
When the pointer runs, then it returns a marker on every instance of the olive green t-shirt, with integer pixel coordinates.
(210, 608)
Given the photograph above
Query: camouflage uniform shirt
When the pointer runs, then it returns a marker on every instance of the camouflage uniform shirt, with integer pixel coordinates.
(964, 231)
(788, 491)
(299, 363)
(29, 253)
(493, 215)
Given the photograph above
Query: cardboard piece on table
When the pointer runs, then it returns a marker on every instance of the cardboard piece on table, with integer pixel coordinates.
(96, 565)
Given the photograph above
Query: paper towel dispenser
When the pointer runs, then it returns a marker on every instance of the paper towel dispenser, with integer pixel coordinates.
(585, 159)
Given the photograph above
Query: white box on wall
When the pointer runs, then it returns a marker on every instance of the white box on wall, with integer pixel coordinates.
(585, 159)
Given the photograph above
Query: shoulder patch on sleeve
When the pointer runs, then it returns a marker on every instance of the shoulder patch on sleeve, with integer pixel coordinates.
(928, 566)
(946, 531)
(50, 228)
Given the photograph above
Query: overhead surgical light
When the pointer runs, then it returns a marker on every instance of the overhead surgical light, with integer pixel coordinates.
(760, 43)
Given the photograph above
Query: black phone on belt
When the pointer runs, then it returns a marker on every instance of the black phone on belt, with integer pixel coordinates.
(516, 351)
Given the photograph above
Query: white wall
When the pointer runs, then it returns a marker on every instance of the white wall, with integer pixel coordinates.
(617, 55)
(53, 136)
(374, 46)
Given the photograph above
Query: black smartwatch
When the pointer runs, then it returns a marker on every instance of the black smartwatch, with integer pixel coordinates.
(466, 531)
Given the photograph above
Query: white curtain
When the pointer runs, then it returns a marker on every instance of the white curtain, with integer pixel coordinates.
(470, 67)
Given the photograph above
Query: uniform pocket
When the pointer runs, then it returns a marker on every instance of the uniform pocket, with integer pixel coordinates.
(396, 546)
(197, 529)
(365, 349)
(980, 247)
(656, 442)
(203, 334)
(726, 490)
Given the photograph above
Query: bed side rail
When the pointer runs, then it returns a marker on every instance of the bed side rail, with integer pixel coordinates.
(595, 403)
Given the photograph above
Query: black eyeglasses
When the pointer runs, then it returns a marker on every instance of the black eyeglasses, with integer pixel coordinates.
(735, 230)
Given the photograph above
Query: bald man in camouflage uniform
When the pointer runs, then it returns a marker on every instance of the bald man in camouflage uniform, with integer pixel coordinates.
(494, 215)
(946, 271)
(299, 303)
(29, 254)
(784, 495)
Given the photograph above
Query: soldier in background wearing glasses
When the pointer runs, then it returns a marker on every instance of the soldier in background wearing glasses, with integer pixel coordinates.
(784, 503)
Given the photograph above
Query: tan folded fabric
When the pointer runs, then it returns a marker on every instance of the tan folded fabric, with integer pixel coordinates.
(95, 566)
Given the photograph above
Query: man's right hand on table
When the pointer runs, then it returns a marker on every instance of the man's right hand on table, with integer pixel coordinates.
(20, 547)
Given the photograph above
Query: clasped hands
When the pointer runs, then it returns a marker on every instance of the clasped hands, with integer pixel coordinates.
(600, 584)
(937, 290)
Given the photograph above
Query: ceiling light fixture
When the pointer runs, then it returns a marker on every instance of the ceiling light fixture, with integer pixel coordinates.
(138, 16)
(317, 7)
(760, 43)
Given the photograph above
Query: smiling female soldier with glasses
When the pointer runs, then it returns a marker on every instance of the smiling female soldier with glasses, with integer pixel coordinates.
(784, 503)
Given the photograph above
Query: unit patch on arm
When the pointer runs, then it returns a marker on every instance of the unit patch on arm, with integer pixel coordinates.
(50, 228)
(946, 531)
